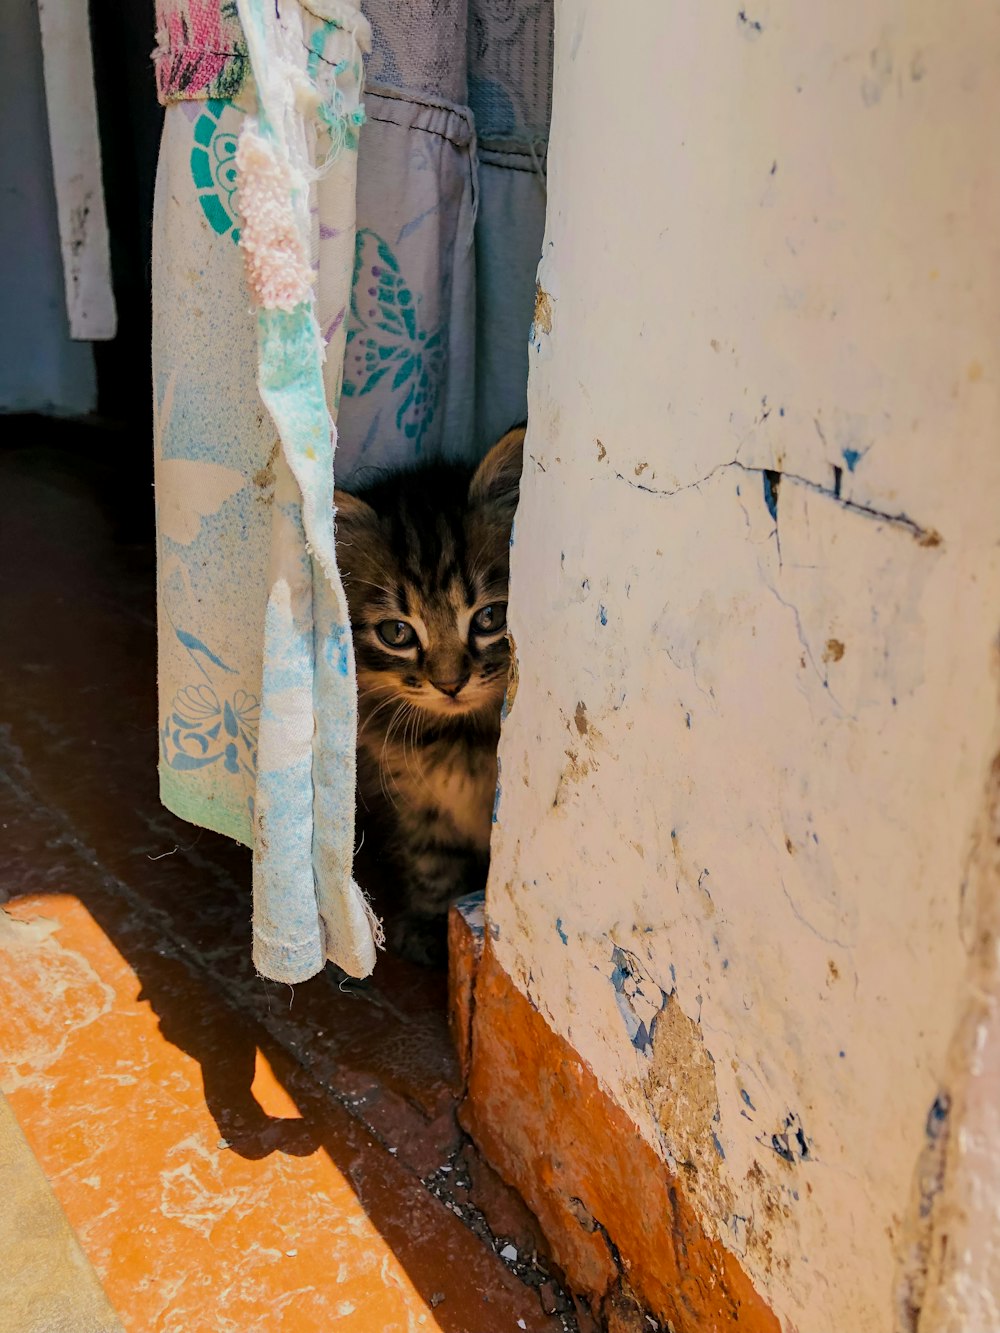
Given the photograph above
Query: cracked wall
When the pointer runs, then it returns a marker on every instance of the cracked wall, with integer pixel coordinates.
(755, 592)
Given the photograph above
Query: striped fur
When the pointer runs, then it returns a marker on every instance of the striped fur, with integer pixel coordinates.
(424, 558)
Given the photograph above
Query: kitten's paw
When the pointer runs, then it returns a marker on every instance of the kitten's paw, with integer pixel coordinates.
(421, 939)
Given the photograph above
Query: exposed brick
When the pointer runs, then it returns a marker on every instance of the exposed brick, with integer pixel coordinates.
(609, 1207)
(465, 948)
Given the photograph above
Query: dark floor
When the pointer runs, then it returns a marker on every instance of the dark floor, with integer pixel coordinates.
(232, 1155)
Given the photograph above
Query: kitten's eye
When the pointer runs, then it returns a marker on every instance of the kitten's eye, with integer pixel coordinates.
(396, 633)
(490, 619)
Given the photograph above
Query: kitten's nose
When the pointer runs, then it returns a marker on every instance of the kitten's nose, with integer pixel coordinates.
(450, 687)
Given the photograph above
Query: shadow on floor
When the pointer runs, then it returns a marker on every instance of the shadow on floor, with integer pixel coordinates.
(78, 752)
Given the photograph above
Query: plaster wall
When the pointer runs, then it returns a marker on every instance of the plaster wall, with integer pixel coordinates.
(755, 599)
(41, 368)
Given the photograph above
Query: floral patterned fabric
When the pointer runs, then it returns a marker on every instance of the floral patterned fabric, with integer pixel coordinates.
(257, 693)
(423, 239)
(451, 181)
(409, 373)
(214, 454)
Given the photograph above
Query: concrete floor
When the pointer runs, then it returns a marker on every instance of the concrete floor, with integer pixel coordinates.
(232, 1156)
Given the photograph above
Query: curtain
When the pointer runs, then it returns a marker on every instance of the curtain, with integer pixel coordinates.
(319, 258)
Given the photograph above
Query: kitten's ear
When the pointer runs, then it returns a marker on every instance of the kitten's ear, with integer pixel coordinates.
(351, 513)
(498, 477)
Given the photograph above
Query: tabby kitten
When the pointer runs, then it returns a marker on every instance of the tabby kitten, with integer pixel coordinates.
(424, 559)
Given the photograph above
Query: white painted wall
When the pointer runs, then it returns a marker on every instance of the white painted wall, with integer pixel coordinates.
(751, 754)
(41, 368)
(74, 141)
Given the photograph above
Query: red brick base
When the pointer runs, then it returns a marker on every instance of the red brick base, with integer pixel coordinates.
(615, 1217)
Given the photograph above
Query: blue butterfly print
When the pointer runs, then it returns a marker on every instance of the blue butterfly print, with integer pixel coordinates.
(385, 342)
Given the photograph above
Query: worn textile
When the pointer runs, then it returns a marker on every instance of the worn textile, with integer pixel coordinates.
(510, 69)
(200, 50)
(458, 103)
(214, 450)
(488, 64)
(509, 229)
(409, 372)
(510, 94)
(419, 241)
(256, 670)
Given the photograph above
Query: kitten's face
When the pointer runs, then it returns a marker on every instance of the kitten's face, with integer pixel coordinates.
(424, 558)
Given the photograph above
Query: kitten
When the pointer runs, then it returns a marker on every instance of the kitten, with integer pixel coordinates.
(424, 559)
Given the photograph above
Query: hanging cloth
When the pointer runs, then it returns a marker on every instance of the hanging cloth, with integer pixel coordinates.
(414, 269)
(257, 686)
(450, 216)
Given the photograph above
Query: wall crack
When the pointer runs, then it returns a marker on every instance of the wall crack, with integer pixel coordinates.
(772, 478)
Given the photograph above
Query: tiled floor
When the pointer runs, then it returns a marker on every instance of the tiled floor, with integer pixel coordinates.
(232, 1156)
(46, 1282)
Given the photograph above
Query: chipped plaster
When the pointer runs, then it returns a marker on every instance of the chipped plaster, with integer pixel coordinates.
(758, 557)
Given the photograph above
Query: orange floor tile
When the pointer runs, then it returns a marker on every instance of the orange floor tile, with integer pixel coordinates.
(233, 1156)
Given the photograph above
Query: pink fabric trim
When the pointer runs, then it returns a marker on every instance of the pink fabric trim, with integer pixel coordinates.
(200, 49)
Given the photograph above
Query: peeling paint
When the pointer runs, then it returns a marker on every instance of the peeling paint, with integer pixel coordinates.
(640, 1001)
(790, 1142)
(753, 27)
(780, 483)
(543, 312)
